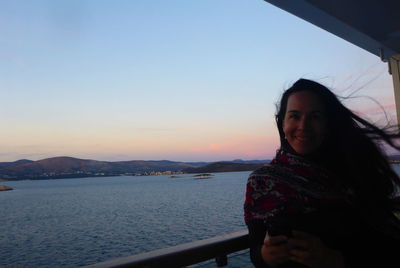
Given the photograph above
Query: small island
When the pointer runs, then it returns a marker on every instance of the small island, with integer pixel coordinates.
(5, 188)
(203, 176)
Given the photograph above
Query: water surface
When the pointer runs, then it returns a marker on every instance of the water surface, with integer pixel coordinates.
(74, 222)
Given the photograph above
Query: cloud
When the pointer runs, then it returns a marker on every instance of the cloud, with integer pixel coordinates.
(154, 129)
(246, 146)
(211, 147)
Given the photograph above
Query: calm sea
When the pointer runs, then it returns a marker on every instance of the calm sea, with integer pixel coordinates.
(75, 222)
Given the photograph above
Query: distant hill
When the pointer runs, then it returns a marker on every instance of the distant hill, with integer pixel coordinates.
(240, 161)
(15, 163)
(223, 167)
(69, 167)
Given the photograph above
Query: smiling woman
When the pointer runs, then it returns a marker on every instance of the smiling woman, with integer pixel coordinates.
(304, 124)
(328, 194)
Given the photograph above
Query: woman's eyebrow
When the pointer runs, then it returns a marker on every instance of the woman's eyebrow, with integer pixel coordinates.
(312, 112)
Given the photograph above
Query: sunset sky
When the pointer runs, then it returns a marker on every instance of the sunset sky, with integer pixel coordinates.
(177, 80)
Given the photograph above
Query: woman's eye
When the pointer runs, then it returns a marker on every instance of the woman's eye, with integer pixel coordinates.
(317, 116)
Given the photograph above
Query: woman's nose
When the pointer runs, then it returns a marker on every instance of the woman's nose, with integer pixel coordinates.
(304, 122)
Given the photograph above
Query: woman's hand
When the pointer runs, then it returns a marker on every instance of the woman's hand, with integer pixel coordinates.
(311, 251)
(275, 249)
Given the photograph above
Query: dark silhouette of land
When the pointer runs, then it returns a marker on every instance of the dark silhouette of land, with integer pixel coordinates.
(69, 167)
(223, 167)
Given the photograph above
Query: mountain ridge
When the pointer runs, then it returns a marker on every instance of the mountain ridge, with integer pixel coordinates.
(70, 167)
(223, 166)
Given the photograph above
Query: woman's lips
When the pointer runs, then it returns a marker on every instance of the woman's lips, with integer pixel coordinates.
(303, 138)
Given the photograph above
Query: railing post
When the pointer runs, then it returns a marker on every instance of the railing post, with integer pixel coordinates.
(221, 260)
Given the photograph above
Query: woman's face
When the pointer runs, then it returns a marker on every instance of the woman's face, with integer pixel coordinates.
(304, 124)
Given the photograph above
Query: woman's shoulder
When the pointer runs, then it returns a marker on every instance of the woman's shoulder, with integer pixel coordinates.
(262, 170)
(262, 173)
(272, 169)
(265, 177)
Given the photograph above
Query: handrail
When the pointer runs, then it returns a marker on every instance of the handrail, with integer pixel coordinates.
(185, 254)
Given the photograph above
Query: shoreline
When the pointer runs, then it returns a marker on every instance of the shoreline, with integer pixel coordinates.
(102, 176)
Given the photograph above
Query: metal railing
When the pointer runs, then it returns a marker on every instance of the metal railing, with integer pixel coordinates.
(217, 248)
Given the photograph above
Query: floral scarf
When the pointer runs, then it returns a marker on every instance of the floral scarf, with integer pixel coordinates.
(290, 184)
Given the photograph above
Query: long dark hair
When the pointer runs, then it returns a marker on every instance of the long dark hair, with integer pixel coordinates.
(350, 149)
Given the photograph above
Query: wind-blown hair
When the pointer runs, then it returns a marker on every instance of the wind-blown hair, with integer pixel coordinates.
(350, 149)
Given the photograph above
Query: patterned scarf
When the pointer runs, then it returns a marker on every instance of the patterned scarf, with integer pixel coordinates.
(291, 184)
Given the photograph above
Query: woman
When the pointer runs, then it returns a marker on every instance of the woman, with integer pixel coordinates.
(326, 200)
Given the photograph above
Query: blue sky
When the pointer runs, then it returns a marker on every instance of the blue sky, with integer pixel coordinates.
(177, 80)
